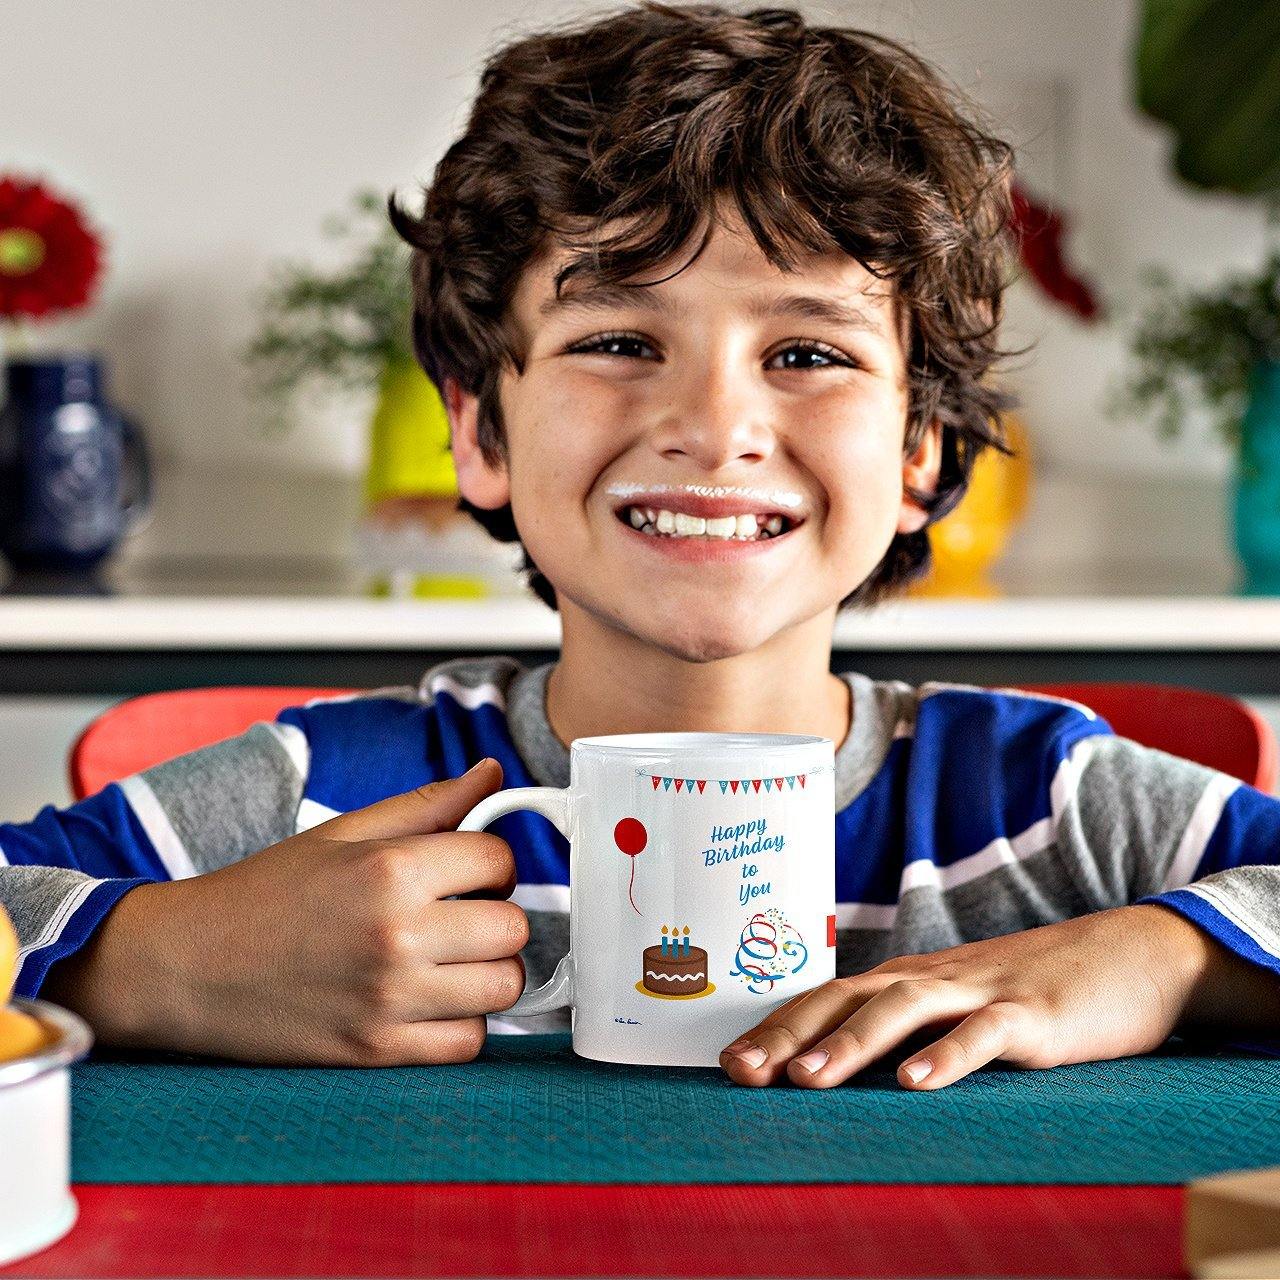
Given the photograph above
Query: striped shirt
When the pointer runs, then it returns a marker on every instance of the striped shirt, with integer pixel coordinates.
(961, 813)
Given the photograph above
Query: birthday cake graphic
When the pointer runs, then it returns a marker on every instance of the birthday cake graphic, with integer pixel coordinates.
(674, 969)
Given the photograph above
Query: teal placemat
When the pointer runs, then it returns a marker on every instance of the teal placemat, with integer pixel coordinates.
(529, 1111)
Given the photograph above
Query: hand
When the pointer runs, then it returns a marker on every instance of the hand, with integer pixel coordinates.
(1100, 986)
(339, 945)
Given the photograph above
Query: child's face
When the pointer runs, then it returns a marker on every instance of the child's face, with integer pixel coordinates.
(699, 389)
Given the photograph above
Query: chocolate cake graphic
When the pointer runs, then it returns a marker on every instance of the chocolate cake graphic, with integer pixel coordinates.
(674, 967)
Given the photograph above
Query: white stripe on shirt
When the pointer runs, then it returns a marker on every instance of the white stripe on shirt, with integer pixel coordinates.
(311, 813)
(1232, 909)
(1002, 851)
(58, 920)
(468, 696)
(1195, 839)
(541, 897)
(155, 822)
(295, 743)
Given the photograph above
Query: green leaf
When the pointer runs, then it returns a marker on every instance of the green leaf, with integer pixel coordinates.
(1210, 69)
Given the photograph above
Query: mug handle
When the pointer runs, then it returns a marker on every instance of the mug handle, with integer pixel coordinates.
(553, 804)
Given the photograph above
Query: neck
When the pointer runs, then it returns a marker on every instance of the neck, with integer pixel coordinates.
(607, 681)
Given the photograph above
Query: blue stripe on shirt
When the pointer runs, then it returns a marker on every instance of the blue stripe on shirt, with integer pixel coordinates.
(982, 766)
(100, 836)
(1247, 831)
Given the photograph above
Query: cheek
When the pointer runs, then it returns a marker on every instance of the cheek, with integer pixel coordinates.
(858, 463)
(556, 458)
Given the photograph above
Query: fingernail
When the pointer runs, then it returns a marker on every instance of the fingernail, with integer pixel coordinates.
(916, 1071)
(814, 1060)
(752, 1054)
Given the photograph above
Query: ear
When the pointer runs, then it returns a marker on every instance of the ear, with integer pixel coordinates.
(481, 483)
(920, 470)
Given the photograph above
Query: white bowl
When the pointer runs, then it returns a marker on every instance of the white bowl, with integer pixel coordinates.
(36, 1204)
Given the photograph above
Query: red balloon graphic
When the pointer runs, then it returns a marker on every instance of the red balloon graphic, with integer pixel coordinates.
(631, 837)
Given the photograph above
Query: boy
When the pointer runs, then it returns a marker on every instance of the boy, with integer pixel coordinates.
(711, 299)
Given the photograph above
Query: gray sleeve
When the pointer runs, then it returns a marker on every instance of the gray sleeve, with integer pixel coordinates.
(221, 803)
(40, 900)
(1135, 819)
(199, 811)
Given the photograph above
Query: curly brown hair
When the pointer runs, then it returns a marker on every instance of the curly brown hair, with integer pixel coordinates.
(826, 138)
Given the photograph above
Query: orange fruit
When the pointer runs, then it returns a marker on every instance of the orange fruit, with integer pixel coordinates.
(8, 956)
(20, 1035)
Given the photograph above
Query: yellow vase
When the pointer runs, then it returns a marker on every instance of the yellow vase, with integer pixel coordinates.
(411, 477)
(967, 542)
(409, 437)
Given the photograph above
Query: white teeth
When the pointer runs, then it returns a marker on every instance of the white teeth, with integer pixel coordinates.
(745, 527)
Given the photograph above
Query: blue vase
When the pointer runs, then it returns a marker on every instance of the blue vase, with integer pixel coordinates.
(74, 473)
(1257, 496)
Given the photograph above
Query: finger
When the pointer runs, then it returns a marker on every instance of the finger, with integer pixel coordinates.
(473, 930)
(760, 1056)
(465, 990)
(435, 806)
(997, 1030)
(421, 1043)
(455, 862)
(882, 1022)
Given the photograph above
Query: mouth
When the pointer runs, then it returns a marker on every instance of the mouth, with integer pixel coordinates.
(682, 526)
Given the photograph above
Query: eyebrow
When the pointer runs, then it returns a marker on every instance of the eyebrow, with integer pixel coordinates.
(604, 297)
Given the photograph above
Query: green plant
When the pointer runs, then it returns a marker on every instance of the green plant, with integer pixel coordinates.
(1210, 69)
(1201, 345)
(1207, 69)
(341, 326)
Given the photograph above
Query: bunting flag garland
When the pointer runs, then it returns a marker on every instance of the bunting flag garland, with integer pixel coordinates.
(731, 785)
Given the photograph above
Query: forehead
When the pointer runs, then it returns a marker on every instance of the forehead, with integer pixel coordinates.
(732, 270)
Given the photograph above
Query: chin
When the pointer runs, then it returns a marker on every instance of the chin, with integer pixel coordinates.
(703, 640)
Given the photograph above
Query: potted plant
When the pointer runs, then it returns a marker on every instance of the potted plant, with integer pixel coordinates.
(349, 329)
(1204, 68)
(1220, 347)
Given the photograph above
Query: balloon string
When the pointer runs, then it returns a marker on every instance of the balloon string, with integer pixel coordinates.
(631, 886)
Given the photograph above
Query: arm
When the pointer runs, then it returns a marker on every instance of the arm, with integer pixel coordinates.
(1114, 982)
(1203, 849)
(63, 872)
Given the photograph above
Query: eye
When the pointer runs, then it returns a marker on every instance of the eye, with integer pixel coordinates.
(629, 345)
(610, 344)
(829, 356)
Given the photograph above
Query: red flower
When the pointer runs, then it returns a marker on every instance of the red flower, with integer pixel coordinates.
(1039, 229)
(50, 260)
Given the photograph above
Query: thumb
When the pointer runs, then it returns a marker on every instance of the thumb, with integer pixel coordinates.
(435, 806)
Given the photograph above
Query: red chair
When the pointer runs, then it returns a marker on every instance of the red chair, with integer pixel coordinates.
(1210, 728)
(142, 731)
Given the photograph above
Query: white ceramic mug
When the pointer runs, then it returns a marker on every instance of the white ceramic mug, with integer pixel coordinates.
(702, 877)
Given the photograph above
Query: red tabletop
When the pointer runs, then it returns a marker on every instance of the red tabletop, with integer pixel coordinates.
(468, 1229)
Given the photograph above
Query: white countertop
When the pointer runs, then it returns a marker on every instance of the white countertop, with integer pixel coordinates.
(1206, 623)
(1102, 563)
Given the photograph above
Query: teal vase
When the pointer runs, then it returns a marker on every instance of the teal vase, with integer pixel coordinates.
(1257, 497)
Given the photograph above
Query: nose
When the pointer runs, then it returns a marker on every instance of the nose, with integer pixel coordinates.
(717, 415)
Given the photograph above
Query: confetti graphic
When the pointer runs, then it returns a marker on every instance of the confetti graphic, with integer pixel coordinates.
(769, 949)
